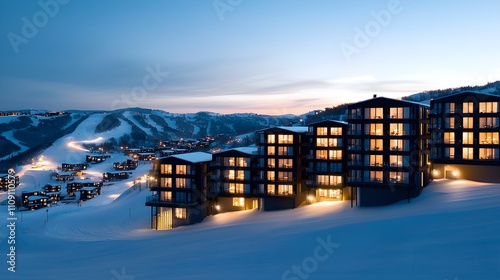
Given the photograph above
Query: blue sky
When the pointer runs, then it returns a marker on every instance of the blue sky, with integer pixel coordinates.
(262, 56)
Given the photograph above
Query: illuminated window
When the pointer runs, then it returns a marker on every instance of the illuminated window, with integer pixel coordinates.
(449, 122)
(488, 138)
(488, 122)
(335, 142)
(396, 129)
(242, 162)
(322, 154)
(271, 162)
(328, 180)
(285, 189)
(488, 153)
(230, 174)
(329, 193)
(449, 137)
(335, 154)
(271, 151)
(180, 213)
(468, 107)
(399, 113)
(166, 182)
(285, 176)
(166, 169)
(322, 142)
(376, 145)
(238, 202)
(271, 175)
(449, 107)
(398, 161)
(398, 177)
(374, 129)
(285, 139)
(271, 139)
(488, 107)
(468, 122)
(285, 151)
(376, 160)
(374, 113)
(181, 169)
(336, 131)
(235, 188)
(467, 138)
(180, 183)
(449, 152)
(396, 145)
(376, 176)
(467, 153)
(285, 163)
(271, 189)
(166, 196)
(322, 131)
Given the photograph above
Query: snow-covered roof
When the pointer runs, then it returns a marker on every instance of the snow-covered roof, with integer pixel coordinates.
(246, 150)
(296, 129)
(35, 197)
(88, 188)
(194, 157)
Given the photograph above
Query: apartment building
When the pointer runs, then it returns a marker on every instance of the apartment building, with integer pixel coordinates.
(387, 150)
(465, 137)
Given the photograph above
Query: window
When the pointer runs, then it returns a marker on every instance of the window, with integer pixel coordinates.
(166, 169)
(271, 175)
(235, 188)
(285, 189)
(181, 170)
(355, 113)
(180, 183)
(271, 151)
(396, 145)
(271, 162)
(449, 122)
(376, 160)
(449, 107)
(449, 152)
(321, 154)
(374, 113)
(487, 138)
(335, 154)
(285, 176)
(488, 153)
(180, 213)
(166, 196)
(271, 189)
(488, 122)
(327, 180)
(229, 161)
(271, 139)
(467, 153)
(242, 162)
(329, 193)
(398, 161)
(398, 177)
(285, 151)
(399, 113)
(488, 107)
(449, 137)
(285, 163)
(336, 131)
(180, 197)
(238, 202)
(468, 122)
(354, 129)
(322, 142)
(335, 142)
(322, 131)
(166, 182)
(468, 138)
(396, 129)
(376, 145)
(376, 176)
(468, 107)
(374, 129)
(240, 175)
(230, 174)
(285, 139)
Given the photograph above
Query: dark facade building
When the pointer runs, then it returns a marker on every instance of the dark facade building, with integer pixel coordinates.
(4, 181)
(114, 176)
(232, 183)
(281, 165)
(96, 158)
(180, 195)
(65, 167)
(465, 137)
(129, 164)
(387, 150)
(72, 188)
(327, 161)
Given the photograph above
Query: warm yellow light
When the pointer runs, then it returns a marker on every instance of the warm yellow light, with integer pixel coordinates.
(217, 207)
(310, 198)
(454, 173)
(435, 172)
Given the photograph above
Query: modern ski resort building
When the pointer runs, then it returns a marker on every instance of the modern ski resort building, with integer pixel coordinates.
(388, 150)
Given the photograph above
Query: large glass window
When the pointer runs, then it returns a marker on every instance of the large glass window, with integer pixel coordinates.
(374, 129)
(180, 183)
(449, 152)
(398, 177)
(376, 160)
(285, 151)
(166, 196)
(376, 145)
(322, 131)
(271, 139)
(374, 113)
(238, 202)
(449, 137)
(235, 188)
(488, 107)
(271, 175)
(336, 131)
(399, 145)
(449, 122)
(468, 122)
(166, 182)
(181, 169)
(467, 153)
(322, 154)
(376, 176)
(180, 213)
(285, 163)
(488, 153)
(449, 107)
(285, 139)
(487, 138)
(335, 142)
(488, 122)
(271, 162)
(400, 113)
(335, 154)
(398, 161)
(468, 107)
(285, 176)
(271, 189)
(397, 129)
(329, 180)
(329, 193)
(322, 142)
(242, 161)
(468, 138)
(285, 189)
(271, 151)
(166, 169)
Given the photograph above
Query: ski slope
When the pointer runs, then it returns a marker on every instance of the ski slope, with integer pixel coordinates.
(451, 231)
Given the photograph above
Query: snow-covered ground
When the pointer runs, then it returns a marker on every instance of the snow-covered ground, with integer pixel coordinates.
(451, 231)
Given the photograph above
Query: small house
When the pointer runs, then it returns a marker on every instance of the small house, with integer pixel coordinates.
(96, 158)
(87, 193)
(114, 176)
(73, 167)
(37, 201)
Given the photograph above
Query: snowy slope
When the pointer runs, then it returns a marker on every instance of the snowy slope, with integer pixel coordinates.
(450, 232)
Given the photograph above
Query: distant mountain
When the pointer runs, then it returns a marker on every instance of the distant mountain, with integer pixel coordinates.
(22, 136)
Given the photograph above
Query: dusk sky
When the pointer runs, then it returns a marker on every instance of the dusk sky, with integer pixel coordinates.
(226, 56)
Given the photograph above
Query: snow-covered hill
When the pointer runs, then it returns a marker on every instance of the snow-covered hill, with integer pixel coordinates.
(450, 232)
